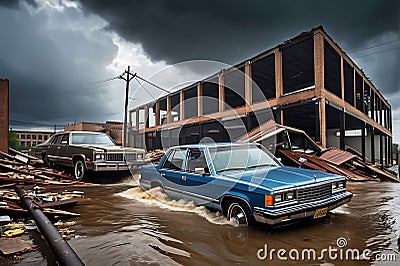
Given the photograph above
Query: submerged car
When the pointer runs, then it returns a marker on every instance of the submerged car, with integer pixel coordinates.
(88, 151)
(246, 182)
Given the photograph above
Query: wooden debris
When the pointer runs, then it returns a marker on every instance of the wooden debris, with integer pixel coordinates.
(12, 171)
(155, 156)
(10, 246)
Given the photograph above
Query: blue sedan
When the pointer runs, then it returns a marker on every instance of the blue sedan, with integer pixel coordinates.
(246, 182)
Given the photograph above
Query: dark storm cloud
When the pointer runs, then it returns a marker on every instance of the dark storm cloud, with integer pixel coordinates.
(14, 4)
(236, 29)
(44, 60)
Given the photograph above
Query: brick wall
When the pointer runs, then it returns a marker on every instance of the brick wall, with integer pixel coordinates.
(4, 115)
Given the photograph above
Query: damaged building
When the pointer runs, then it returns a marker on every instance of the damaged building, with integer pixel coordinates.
(307, 82)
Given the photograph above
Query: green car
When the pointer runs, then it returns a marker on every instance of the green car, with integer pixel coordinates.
(88, 151)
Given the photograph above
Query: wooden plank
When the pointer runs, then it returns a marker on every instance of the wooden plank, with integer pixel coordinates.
(9, 168)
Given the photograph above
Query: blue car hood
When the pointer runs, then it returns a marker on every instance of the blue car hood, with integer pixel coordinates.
(280, 177)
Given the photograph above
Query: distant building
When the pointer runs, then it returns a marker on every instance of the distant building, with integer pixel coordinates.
(29, 138)
(113, 129)
(4, 115)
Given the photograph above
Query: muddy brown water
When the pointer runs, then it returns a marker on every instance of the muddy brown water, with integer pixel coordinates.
(121, 225)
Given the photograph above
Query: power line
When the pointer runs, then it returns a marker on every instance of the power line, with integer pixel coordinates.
(95, 84)
(371, 47)
(145, 89)
(380, 52)
(152, 84)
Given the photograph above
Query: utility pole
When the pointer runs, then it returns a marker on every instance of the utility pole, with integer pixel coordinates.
(129, 77)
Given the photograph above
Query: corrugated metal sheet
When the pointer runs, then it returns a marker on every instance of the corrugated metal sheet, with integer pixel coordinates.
(336, 156)
(259, 131)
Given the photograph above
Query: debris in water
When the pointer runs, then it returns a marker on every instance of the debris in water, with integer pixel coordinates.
(9, 246)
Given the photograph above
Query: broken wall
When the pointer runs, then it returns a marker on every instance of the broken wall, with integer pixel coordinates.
(4, 118)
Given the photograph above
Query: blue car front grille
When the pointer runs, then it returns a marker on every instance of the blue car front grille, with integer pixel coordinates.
(314, 192)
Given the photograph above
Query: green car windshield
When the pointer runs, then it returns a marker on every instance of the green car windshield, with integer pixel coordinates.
(91, 139)
(241, 157)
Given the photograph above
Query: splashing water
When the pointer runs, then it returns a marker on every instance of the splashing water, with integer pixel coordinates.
(156, 197)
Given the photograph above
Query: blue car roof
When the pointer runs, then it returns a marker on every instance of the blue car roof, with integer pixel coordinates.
(213, 144)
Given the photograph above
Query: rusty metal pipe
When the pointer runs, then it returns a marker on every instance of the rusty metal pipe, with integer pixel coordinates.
(60, 248)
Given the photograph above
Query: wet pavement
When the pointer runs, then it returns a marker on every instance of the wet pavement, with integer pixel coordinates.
(122, 225)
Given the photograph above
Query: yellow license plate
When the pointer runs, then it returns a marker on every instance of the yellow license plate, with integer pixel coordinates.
(320, 213)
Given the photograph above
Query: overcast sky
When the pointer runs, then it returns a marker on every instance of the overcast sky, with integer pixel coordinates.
(55, 52)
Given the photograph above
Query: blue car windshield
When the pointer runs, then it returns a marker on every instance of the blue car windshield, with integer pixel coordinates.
(91, 139)
(240, 157)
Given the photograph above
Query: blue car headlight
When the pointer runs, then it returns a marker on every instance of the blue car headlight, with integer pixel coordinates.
(289, 195)
(284, 197)
(278, 198)
(338, 186)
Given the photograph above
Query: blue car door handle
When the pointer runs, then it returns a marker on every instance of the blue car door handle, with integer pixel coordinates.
(163, 175)
(184, 178)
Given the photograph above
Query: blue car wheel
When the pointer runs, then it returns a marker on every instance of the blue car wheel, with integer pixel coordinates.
(240, 214)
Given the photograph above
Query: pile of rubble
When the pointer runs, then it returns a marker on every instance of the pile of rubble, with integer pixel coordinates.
(45, 189)
(16, 221)
(295, 148)
(30, 170)
(155, 156)
(53, 204)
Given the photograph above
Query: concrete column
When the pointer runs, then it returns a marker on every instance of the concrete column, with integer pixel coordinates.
(137, 119)
(199, 99)
(129, 133)
(386, 150)
(342, 78)
(157, 113)
(322, 125)
(317, 122)
(390, 151)
(278, 74)
(381, 148)
(181, 106)
(146, 116)
(319, 83)
(363, 141)
(354, 88)
(342, 122)
(169, 118)
(4, 114)
(372, 145)
(248, 86)
(319, 63)
(221, 92)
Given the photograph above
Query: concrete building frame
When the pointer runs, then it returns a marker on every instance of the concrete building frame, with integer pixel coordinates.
(311, 84)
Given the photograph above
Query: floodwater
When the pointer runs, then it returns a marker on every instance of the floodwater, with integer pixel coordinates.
(122, 225)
